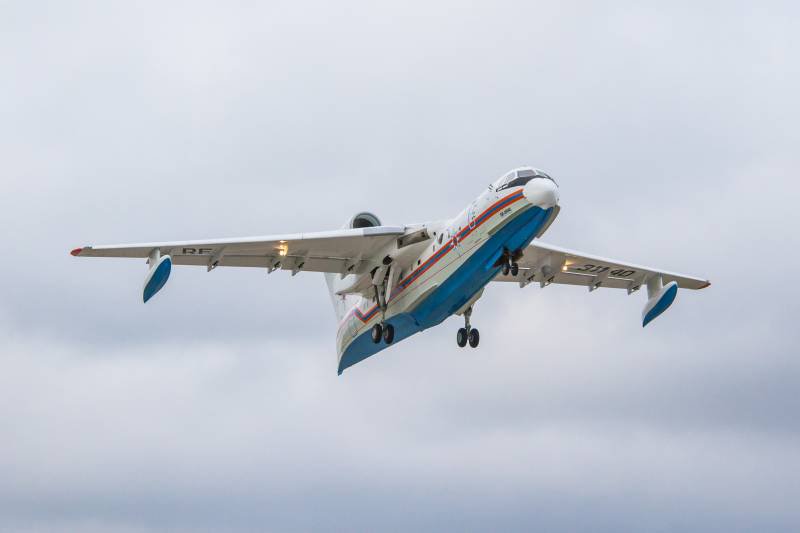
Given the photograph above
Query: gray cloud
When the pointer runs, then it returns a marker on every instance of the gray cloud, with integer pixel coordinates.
(670, 129)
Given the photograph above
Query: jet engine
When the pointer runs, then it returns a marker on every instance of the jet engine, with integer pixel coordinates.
(363, 220)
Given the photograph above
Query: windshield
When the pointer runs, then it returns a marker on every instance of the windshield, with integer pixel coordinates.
(519, 178)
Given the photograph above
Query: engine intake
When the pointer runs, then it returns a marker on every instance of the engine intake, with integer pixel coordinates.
(364, 220)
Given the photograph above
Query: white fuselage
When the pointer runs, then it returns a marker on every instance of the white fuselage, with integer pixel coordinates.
(418, 270)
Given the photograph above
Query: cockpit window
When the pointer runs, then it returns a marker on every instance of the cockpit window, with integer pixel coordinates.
(516, 182)
(520, 178)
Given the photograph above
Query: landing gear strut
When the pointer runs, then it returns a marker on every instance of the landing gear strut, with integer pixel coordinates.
(382, 330)
(468, 333)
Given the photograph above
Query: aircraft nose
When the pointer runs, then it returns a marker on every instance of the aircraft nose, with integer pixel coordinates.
(541, 192)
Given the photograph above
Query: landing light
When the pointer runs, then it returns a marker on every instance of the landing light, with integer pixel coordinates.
(283, 249)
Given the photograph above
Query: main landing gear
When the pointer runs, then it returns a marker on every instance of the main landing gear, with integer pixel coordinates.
(468, 333)
(509, 264)
(383, 331)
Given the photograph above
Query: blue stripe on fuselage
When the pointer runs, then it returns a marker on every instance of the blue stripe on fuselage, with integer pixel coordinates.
(457, 290)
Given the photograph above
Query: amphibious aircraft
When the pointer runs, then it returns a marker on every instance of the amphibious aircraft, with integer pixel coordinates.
(390, 282)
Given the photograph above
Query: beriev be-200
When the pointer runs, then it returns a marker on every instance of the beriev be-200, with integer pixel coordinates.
(390, 282)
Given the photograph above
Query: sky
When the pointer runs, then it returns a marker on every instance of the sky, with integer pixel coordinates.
(672, 130)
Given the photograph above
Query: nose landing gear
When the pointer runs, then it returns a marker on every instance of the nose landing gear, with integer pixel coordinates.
(468, 333)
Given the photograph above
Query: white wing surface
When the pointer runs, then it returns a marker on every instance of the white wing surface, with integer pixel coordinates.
(347, 251)
(330, 251)
(546, 264)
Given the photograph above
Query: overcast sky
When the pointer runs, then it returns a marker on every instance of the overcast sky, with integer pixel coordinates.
(672, 130)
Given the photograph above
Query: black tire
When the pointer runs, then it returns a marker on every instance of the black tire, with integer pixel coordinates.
(514, 269)
(506, 269)
(388, 333)
(474, 338)
(461, 337)
(377, 333)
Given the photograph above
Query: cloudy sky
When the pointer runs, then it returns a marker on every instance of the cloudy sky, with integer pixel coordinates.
(671, 129)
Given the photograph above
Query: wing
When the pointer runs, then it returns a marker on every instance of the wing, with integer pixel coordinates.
(341, 251)
(546, 264)
(329, 251)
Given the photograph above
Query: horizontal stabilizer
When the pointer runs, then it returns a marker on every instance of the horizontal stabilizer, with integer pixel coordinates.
(157, 276)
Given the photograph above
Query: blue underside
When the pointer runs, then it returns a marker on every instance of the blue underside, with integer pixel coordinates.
(663, 304)
(159, 279)
(457, 290)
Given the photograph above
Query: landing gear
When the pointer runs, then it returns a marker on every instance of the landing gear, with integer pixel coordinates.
(468, 333)
(377, 333)
(388, 333)
(383, 331)
(508, 263)
(474, 338)
(461, 337)
(510, 268)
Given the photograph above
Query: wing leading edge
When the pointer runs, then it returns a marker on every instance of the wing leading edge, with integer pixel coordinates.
(340, 252)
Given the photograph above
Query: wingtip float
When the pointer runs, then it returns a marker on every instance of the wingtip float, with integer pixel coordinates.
(157, 276)
(658, 299)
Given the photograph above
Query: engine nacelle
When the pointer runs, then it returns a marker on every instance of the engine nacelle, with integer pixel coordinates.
(363, 220)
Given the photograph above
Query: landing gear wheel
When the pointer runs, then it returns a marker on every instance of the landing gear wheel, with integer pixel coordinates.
(461, 337)
(474, 338)
(514, 269)
(388, 333)
(506, 269)
(377, 333)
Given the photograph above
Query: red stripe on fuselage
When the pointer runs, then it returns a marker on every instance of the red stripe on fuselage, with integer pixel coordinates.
(444, 250)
